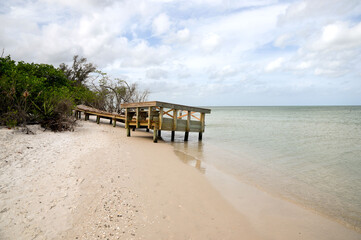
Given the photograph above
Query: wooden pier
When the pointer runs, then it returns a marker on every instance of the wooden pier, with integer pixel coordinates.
(155, 115)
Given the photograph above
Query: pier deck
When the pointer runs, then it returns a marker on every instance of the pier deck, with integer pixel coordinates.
(155, 115)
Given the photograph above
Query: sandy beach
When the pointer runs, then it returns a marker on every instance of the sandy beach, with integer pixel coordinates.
(95, 183)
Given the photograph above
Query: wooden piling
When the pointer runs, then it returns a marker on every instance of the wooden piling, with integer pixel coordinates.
(127, 122)
(188, 121)
(114, 122)
(149, 118)
(159, 133)
(203, 116)
(137, 117)
(160, 118)
(200, 134)
(172, 136)
(187, 126)
(98, 119)
(175, 118)
(186, 134)
(155, 137)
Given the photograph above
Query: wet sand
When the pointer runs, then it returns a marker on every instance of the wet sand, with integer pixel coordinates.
(95, 183)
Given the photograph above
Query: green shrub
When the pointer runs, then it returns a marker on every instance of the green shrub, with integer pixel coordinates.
(35, 93)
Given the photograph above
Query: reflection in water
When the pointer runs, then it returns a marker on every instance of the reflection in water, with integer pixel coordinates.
(191, 154)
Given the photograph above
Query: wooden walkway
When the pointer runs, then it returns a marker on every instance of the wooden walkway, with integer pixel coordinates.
(155, 115)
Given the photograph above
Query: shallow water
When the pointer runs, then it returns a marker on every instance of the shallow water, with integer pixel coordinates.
(309, 155)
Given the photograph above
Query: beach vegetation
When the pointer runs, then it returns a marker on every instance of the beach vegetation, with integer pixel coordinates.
(35, 93)
(42, 94)
(80, 70)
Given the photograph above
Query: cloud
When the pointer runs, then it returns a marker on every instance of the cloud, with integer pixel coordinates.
(322, 10)
(141, 54)
(282, 40)
(183, 35)
(199, 48)
(161, 24)
(224, 72)
(210, 42)
(275, 64)
(156, 73)
(339, 36)
(304, 65)
(333, 51)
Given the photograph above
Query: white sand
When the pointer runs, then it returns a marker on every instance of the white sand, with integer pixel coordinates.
(95, 183)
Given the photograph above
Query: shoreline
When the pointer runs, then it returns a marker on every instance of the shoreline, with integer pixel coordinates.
(202, 167)
(97, 182)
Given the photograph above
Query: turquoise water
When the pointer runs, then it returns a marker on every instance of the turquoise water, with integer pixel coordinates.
(309, 155)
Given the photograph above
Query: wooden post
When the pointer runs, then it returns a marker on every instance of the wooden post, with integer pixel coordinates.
(187, 126)
(174, 128)
(79, 115)
(159, 133)
(111, 121)
(149, 118)
(114, 122)
(127, 122)
(160, 118)
(175, 117)
(186, 136)
(76, 115)
(147, 130)
(137, 117)
(155, 137)
(188, 121)
(200, 136)
(98, 119)
(86, 118)
(203, 116)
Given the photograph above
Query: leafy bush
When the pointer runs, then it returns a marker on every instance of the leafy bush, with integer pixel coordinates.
(35, 93)
(40, 93)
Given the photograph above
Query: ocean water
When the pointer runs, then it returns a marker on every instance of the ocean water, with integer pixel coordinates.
(308, 155)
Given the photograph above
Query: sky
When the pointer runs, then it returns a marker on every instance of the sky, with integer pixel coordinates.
(200, 52)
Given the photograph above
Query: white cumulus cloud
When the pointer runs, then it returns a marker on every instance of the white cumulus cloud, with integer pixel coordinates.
(210, 42)
(275, 64)
(339, 36)
(161, 24)
(183, 35)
